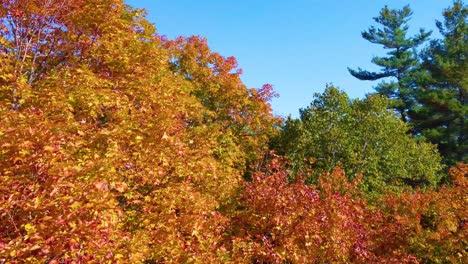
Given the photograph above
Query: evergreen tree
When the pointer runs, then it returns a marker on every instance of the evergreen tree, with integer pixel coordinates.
(401, 61)
(442, 103)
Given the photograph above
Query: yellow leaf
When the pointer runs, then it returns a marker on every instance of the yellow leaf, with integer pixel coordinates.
(75, 205)
(37, 201)
(35, 247)
(16, 159)
(49, 148)
(29, 228)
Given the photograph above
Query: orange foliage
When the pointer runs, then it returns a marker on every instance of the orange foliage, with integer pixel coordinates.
(108, 153)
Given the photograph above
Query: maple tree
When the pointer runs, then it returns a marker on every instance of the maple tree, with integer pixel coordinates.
(444, 222)
(294, 222)
(242, 114)
(106, 147)
(282, 221)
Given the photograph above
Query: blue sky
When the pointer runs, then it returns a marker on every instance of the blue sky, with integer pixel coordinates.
(298, 46)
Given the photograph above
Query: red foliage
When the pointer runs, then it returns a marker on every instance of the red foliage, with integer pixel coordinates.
(331, 222)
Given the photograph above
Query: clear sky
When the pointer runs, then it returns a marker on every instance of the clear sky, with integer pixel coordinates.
(298, 46)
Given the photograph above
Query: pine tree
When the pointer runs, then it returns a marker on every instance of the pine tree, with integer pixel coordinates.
(442, 103)
(401, 62)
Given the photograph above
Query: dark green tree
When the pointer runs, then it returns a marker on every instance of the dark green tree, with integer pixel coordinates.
(359, 136)
(442, 105)
(401, 61)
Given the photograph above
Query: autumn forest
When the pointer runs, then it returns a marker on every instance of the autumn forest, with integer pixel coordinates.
(120, 145)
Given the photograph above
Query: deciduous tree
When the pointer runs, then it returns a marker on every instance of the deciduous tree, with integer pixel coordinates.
(361, 136)
(111, 153)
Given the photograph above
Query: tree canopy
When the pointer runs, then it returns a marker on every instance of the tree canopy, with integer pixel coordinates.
(361, 136)
(118, 145)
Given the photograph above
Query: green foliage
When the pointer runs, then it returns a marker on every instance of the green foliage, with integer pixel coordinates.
(442, 104)
(361, 136)
(400, 64)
